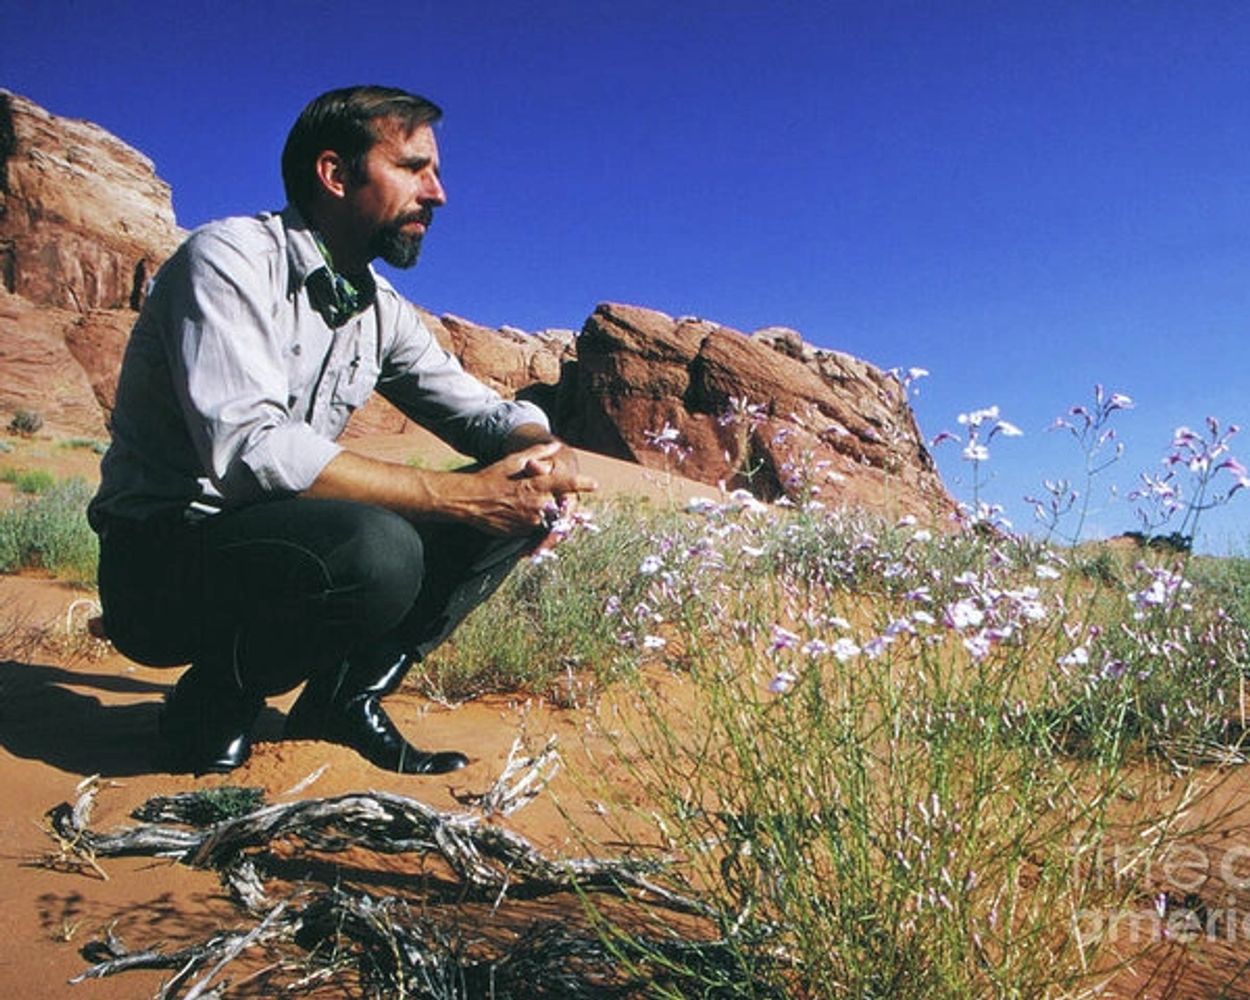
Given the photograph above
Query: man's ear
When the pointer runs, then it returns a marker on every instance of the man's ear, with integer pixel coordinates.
(332, 173)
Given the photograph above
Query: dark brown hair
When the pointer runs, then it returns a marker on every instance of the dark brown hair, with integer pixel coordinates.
(343, 120)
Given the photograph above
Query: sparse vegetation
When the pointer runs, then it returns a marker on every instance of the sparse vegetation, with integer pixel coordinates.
(914, 749)
(26, 423)
(548, 620)
(49, 531)
(90, 444)
(28, 480)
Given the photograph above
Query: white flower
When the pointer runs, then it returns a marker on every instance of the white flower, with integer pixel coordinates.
(782, 682)
(844, 649)
(1079, 657)
(978, 417)
(964, 614)
(977, 645)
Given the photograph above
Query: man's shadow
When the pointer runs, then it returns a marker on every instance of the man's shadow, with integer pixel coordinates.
(43, 716)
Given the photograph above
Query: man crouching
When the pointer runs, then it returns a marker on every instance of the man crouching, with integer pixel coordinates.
(236, 534)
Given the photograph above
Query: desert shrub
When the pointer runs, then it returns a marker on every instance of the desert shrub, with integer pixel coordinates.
(89, 444)
(909, 746)
(549, 617)
(50, 531)
(28, 480)
(25, 423)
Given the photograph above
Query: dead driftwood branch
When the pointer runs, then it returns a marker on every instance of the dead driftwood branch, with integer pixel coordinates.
(393, 951)
(489, 860)
(520, 782)
(397, 953)
(111, 956)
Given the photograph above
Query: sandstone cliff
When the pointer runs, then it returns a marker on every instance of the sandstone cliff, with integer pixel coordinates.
(85, 222)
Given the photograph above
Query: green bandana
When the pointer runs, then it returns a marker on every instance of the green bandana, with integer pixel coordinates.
(336, 297)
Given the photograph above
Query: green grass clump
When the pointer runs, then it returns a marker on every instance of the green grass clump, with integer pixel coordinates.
(49, 531)
(89, 444)
(1226, 581)
(28, 480)
(548, 619)
(203, 807)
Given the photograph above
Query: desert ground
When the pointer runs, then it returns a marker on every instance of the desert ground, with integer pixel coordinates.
(72, 708)
(74, 711)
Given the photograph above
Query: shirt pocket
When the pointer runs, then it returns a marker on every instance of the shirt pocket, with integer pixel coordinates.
(354, 385)
(352, 388)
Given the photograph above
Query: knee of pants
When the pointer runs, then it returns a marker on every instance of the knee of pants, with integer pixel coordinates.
(376, 572)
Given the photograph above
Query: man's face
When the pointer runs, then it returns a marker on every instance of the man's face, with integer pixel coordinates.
(399, 189)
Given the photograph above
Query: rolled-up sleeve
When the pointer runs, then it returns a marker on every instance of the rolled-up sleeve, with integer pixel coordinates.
(228, 359)
(428, 384)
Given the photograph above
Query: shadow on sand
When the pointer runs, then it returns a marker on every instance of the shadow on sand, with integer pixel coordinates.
(44, 715)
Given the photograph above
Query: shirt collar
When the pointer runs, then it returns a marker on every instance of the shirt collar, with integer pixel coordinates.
(336, 297)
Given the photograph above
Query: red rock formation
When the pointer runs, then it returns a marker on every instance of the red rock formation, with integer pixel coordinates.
(84, 220)
(768, 412)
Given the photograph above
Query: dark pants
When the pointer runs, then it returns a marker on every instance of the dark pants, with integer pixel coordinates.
(272, 594)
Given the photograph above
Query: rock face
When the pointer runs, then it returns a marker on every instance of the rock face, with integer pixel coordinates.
(85, 221)
(767, 412)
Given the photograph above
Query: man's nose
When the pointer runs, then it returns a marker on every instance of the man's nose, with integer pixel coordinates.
(432, 190)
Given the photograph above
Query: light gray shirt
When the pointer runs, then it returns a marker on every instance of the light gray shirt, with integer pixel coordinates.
(234, 387)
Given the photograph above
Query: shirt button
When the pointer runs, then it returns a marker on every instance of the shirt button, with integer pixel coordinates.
(296, 349)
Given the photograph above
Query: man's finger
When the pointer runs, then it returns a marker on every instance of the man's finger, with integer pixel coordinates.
(574, 484)
(539, 466)
(536, 451)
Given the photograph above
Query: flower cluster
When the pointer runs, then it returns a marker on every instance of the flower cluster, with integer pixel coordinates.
(1189, 484)
(975, 449)
(667, 441)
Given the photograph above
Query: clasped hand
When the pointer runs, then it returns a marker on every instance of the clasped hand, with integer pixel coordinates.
(527, 488)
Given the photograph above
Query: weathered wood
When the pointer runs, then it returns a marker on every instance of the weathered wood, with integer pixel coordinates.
(396, 952)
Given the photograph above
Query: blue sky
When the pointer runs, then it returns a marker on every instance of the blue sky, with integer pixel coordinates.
(1023, 198)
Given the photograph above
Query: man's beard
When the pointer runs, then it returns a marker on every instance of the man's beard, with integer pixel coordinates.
(393, 245)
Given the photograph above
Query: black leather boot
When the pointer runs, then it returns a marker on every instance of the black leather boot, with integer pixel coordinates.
(345, 707)
(206, 722)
